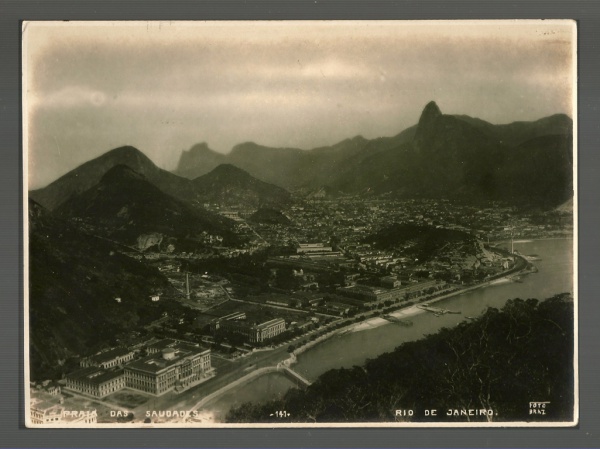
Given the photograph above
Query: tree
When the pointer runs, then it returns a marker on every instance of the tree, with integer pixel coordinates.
(286, 279)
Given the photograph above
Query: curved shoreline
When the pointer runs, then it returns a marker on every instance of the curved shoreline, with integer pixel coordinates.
(369, 323)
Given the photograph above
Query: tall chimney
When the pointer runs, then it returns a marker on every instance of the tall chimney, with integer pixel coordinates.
(187, 285)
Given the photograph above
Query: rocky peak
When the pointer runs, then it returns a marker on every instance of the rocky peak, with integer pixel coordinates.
(430, 113)
(200, 148)
(427, 124)
(198, 160)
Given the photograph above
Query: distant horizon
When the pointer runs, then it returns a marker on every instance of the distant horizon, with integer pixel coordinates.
(174, 168)
(165, 87)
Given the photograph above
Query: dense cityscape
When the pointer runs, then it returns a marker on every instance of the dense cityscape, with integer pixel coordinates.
(297, 277)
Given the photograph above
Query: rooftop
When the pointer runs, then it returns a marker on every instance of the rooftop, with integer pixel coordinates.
(270, 323)
(162, 344)
(155, 363)
(233, 316)
(110, 355)
(94, 375)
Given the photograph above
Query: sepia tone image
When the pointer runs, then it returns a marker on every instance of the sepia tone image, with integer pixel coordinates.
(321, 223)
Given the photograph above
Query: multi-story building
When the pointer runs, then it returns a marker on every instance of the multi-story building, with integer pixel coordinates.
(305, 248)
(237, 323)
(109, 359)
(95, 381)
(45, 411)
(170, 364)
(390, 282)
(267, 330)
(229, 322)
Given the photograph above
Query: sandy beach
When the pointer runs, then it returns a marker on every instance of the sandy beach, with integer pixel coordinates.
(372, 323)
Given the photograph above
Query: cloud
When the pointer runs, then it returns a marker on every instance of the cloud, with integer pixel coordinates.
(69, 97)
(164, 87)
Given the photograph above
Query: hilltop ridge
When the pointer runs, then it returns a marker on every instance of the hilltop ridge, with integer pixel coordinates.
(442, 156)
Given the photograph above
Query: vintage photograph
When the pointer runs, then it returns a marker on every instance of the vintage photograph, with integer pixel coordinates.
(300, 224)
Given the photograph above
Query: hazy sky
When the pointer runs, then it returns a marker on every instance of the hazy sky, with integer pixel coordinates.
(163, 87)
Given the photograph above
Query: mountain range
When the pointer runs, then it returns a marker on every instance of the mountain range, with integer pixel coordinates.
(225, 185)
(296, 168)
(527, 164)
(524, 163)
(125, 205)
(90, 173)
(74, 276)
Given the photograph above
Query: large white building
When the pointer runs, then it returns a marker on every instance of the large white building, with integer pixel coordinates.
(237, 323)
(171, 364)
